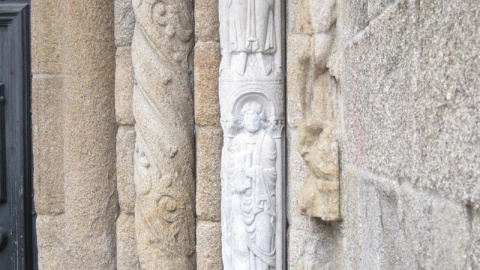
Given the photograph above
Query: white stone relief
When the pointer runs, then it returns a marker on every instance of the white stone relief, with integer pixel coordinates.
(252, 111)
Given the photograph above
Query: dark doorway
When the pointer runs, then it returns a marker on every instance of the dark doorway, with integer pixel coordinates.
(17, 237)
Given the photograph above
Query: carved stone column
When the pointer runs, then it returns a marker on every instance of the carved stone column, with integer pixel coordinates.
(164, 125)
(252, 112)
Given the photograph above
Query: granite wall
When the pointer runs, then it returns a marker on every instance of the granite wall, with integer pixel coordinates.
(403, 77)
(383, 139)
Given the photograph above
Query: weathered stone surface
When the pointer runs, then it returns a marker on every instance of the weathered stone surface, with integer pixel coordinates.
(164, 152)
(209, 150)
(127, 256)
(311, 109)
(376, 7)
(124, 86)
(125, 182)
(298, 17)
(206, 64)
(311, 250)
(474, 254)
(209, 246)
(124, 22)
(89, 135)
(447, 98)
(299, 62)
(206, 20)
(306, 235)
(384, 244)
(47, 23)
(51, 242)
(402, 121)
(451, 235)
(47, 134)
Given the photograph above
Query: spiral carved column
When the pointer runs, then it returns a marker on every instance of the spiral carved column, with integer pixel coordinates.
(164, 151)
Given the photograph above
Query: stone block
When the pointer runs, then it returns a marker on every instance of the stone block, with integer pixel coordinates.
(125, 169)
(353, 17)
(448, 119)
(376, 7)
(47, 23)
(383, 240)
(380, 117)
(209, 148)
(309, 250)
(124, 86)
(451, 235)
(124, 22)
(206, 20)
(127, 256)
(206, 65)
(51, 242)
(209, 246)
(47, 134)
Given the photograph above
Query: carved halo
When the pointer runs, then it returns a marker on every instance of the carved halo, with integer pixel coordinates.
(257, 96)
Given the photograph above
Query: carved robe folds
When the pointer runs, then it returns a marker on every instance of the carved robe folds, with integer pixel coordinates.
(251, 28)
(252, 178)
(252, 101)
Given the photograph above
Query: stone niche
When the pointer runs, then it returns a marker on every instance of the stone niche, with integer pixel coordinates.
(252, 104)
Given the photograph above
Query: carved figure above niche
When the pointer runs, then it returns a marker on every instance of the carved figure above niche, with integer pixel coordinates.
(251, 92)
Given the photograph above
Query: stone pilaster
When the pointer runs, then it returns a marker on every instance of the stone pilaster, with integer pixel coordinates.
(89, 134)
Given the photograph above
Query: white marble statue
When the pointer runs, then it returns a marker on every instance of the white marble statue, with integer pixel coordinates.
(249, 28)
(251, 181)
(252, 102)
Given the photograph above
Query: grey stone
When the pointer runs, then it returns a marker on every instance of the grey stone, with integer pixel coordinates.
(125, 184)
(127, 255)
(124, 86)
(209, 149)
(311, 250)
(447, 99)
(209, 246)
(124, 22)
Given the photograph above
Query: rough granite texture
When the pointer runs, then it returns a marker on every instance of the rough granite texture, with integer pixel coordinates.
(124, 22)
(209, 245)
(91, 203)
(402, 80)
(209, 136)
(209, 147)
(127, 255)
(124, 86)
(164, 158)
(408, 115)
(125, 183)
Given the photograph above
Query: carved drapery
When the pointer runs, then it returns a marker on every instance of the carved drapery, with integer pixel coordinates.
(251, 92)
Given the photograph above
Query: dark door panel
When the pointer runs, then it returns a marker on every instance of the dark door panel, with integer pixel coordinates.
(16, 208)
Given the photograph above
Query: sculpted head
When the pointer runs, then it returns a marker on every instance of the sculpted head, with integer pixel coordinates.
(253, 115)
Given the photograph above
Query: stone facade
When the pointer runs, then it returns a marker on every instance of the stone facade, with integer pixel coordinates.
(382, 134)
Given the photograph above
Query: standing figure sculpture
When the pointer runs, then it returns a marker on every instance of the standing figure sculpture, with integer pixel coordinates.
(250, 27)
(251, 181)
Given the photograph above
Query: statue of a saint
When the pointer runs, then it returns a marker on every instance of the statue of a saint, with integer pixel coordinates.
(251, 29)
(251, 181)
